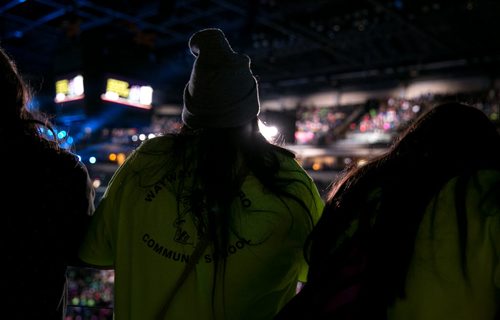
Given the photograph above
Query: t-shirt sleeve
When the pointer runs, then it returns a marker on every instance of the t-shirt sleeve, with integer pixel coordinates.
(98, 247)
(315, 206)
(316, 213)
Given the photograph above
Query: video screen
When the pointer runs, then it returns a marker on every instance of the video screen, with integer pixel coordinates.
(128, 92)
(69, 88)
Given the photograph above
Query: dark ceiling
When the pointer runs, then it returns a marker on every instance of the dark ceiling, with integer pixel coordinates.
(295, 45)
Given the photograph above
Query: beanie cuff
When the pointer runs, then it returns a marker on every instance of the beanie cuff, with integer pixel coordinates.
(232, 114)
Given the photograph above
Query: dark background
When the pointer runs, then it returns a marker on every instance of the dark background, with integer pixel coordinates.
(296, 46)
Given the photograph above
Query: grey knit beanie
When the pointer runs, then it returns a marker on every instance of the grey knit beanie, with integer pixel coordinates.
(222, 91)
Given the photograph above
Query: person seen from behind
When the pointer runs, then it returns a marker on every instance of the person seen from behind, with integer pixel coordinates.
(415, 233)
(209, 222)
(48, 200)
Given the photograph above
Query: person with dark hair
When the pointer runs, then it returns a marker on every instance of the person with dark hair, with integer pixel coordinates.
(209, 222)
(48, 201)
(414, 233)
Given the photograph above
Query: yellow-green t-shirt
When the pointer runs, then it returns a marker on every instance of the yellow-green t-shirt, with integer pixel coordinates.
(139, 229)
(435, 286)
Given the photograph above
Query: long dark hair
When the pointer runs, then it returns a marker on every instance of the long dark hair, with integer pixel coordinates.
(221, 159)
(386, 198)
(17, 118)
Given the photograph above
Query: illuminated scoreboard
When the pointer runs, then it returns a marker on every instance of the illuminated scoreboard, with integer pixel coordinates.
(69, 89)
(128, 93)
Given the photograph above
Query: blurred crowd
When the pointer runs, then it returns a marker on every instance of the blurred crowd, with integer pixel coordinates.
(90, 294)
(320, 125)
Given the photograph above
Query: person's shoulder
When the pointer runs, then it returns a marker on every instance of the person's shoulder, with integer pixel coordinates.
(284, 154)
(159, 144)
(481, 187)
(488, 176)
(149, 155)
(486, 187)
(58, 167)
(290, 166)
(67, 165)
(55, 156)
